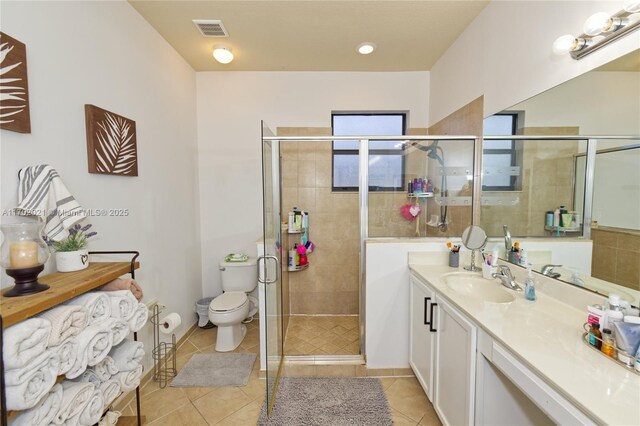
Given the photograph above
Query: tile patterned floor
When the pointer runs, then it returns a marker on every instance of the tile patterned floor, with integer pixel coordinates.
(241, 405)
(322, 335)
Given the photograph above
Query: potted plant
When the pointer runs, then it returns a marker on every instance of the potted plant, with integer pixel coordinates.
(71, 253)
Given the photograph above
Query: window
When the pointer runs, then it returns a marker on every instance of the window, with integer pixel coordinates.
(500, 164)
(386, 158)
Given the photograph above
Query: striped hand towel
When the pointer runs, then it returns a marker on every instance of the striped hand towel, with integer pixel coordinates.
(41, 193)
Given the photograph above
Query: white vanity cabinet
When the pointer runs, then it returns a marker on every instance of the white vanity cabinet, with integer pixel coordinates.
(421, 340)
(442, 354)
(455, 365)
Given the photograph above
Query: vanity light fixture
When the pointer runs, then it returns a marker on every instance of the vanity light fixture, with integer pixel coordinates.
(366, 48)
(222, 54)
(599, 30)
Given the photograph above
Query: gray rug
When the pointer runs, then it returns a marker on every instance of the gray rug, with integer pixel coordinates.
(213, 370)
(335, 401)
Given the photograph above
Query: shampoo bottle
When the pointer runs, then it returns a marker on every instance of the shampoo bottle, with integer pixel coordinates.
(556, 218)
(529, 285)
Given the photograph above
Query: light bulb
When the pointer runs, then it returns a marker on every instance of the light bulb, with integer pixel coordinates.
(366, 48)
(564, 44)
(597, 23)
(632, 6)
(222, 54)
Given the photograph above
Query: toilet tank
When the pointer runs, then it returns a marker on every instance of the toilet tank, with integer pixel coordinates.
(239, 276)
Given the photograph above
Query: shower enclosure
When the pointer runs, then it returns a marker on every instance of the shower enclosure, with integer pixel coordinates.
(318, 313)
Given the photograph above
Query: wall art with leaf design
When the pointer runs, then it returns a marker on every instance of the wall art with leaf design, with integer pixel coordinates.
(14, 90)
(111, 142)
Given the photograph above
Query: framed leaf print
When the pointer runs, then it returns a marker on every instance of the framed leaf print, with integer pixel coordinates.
(111, 142)
(14, 90)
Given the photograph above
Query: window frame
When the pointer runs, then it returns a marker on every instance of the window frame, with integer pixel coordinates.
(356, 152)
(513, 152)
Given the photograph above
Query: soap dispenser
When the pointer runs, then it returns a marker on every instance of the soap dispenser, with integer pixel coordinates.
(529, 285)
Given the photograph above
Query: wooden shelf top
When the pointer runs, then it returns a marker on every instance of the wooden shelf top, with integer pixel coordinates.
(63, 286)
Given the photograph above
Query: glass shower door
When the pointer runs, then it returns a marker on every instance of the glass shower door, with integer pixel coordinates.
(269, 264)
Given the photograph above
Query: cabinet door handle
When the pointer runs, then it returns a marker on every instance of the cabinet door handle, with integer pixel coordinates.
(426, 306)
(431, 327)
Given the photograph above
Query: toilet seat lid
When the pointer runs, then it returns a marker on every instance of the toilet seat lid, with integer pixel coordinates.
(228, 301)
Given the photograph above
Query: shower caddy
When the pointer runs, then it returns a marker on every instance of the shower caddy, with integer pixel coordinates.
(64, 286)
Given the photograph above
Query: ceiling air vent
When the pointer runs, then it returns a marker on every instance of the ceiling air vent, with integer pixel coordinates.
(211, 27)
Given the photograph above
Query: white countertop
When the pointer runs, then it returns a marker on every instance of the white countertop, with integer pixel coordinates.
(546, 335)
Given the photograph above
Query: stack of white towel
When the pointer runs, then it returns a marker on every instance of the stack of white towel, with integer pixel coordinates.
(83, 339)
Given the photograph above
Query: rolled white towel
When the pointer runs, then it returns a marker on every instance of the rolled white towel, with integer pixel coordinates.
(129, 380)
(105, 368)
(25, 386)
(24, 342)
(92, 412)
(119, 328)
(97, 304)
(89, 376)
(66, 321)
(75, 396)
(44, 411)
(127, 355)
(123, 303)
(94, 343)
(110, 391)
(139, 318)
(66, 352)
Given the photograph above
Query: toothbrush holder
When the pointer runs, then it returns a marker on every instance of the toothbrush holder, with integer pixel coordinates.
(454, 259)
(488, 270)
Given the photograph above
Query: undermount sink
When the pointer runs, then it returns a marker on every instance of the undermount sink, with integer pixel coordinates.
(476, 287)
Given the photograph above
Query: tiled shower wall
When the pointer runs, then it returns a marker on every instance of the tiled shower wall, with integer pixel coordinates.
(331, 283)
(616, 256)
(547, 182)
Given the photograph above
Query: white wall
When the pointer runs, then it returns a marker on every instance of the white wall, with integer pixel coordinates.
(106, 54)
(230, 107)
(598, 102)
(505, 54)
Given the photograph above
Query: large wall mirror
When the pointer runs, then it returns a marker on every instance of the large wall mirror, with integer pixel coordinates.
(524, 180)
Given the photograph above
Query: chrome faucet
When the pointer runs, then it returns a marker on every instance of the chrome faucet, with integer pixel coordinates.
(548, 271)
(506, 278)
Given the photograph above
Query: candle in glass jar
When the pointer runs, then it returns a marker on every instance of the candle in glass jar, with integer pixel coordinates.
(23, 254)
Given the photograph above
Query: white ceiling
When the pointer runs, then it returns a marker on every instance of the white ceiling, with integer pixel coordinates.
(314, 35)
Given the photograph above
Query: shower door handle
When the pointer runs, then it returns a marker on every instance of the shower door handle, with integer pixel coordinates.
(260, 275)
(266, 279)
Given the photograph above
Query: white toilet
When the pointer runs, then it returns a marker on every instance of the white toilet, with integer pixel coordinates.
(229, 309)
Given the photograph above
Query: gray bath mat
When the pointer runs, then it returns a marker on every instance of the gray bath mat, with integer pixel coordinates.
(213, 370)
(335, 401)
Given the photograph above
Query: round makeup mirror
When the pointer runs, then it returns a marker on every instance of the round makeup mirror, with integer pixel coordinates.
(473, 238)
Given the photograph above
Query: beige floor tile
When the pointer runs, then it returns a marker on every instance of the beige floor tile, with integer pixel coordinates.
(406, 396)
(400, 419)
(221, 402)
(430, 418)
(186, 348)
(247, 415)
(187, 415)
(195, 393)
(254, 389)
(300, 371)
(160, 403)
(336, 371)
(204, 338)
(387, 382)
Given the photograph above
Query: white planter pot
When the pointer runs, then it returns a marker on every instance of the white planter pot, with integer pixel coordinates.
(68, 261)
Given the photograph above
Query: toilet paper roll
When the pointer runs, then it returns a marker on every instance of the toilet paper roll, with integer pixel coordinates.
(169, 323)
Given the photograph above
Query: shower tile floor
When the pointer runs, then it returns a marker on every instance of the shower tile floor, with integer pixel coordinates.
(322, 335)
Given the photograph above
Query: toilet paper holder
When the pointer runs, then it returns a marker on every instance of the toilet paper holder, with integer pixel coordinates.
(164, 353)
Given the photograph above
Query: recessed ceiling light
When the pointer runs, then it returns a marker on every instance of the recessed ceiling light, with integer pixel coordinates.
(222, 54)
(366, 48)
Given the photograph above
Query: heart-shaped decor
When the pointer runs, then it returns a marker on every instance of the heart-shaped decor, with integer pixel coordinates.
(415, 211)
(84, 258)
(407, 213)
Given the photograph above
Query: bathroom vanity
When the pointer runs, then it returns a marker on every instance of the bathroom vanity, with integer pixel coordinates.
(485, 355)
